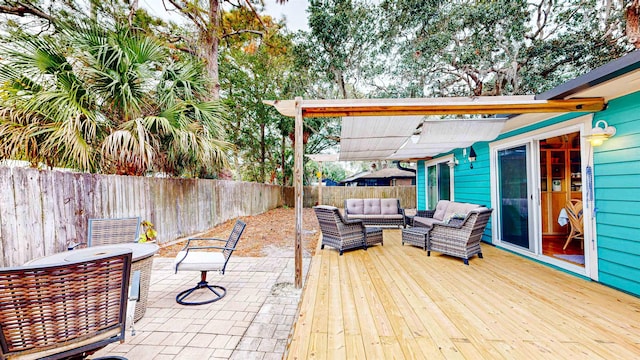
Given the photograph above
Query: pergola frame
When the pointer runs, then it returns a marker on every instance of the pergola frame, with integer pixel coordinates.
(300, 109)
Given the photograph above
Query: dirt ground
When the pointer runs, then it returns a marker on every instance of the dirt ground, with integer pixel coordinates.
(273, 230)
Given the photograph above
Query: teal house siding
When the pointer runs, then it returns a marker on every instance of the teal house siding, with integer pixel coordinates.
(421, 188)
(617, 196)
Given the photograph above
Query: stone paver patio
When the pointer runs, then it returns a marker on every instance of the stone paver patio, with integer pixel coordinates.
(253, 321)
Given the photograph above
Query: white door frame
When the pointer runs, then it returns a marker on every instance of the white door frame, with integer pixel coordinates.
(579, 124)
(435, 162)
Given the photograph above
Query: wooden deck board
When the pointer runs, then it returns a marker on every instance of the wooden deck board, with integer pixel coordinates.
(393, 301)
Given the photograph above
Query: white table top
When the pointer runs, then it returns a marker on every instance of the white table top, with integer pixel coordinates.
(139, 252)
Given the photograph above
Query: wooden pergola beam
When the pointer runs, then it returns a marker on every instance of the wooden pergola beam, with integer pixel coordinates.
(437, 106)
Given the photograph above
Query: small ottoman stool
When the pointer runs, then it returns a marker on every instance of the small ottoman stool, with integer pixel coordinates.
(373, 235)
(418, 236)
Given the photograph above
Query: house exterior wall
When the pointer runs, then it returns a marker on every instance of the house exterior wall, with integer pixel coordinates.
(617, 195)
(616, 189)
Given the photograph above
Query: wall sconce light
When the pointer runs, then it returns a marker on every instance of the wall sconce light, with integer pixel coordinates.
(452, 163)
(600, 133)
(472, 157)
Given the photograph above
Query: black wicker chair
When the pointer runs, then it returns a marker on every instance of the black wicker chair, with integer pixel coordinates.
(345, 234)
(197, 258)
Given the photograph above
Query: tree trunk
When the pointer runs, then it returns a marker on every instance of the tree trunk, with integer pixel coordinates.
(133, 7)
(210, 50)
(633, 28)
(282, 159)
(337, 74)
(263, 154)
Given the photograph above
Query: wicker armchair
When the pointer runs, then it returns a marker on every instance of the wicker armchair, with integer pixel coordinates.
(460, 238)
(113, 231)
(345, 234)
(63, 311)
(574, 212)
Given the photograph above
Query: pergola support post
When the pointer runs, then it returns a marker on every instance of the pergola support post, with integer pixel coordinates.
(298, 180)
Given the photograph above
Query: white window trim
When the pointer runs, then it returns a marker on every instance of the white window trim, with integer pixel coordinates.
(436, 161)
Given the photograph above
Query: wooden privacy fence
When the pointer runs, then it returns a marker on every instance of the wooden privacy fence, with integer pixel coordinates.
(336, 195)
(41, 212)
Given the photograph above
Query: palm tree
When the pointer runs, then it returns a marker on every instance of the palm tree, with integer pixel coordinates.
(102, 98)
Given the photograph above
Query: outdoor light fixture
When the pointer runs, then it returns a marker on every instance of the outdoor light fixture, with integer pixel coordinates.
(472, 156)
(600, 133)
(452, 163)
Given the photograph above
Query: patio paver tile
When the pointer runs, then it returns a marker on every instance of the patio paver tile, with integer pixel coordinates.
(249, 343)
(272, 356)
(202, 340)
(155, 338)
(191, 353)
(244, 355)
(144, 352)
(267, 345)
(218, 327)
(177, 339)
(223, 353)
(233, 342)
(171, 350)
(237, 330)
(261, 330)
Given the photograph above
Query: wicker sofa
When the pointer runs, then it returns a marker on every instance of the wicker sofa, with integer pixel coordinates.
(455, 228)
(375, 212)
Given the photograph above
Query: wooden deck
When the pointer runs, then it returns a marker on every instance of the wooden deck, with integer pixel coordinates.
(394, 302)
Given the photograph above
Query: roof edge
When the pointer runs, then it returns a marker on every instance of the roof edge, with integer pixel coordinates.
(599, 75)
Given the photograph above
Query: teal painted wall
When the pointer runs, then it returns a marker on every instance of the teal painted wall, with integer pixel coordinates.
(421, 190)
(617, 195)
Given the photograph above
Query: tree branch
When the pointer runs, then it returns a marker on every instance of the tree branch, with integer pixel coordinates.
(197, 20)
(256, 14)
(25, 8)
(238, 32)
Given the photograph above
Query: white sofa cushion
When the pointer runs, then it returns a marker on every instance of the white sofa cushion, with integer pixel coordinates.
(425, 221)
(441, 209)
(355, 206)
(372, 206)
(389, 206)
(199, 261)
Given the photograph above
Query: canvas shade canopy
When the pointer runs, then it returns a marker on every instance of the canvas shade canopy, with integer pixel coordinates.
(390, 137)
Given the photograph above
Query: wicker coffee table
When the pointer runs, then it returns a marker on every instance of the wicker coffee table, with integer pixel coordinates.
(418, 236)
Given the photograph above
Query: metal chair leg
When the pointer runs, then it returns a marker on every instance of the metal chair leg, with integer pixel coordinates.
(218, 290)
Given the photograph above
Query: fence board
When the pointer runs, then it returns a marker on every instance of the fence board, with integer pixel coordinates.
(8, 218)
(33, 215)
(48, 189)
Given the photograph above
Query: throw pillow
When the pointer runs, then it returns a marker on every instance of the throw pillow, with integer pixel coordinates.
(454, 216)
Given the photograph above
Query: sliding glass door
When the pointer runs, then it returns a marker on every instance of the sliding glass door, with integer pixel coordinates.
(438, 183)
(514, 196)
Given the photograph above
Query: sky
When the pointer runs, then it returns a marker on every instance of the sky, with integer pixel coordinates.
(293, 10)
